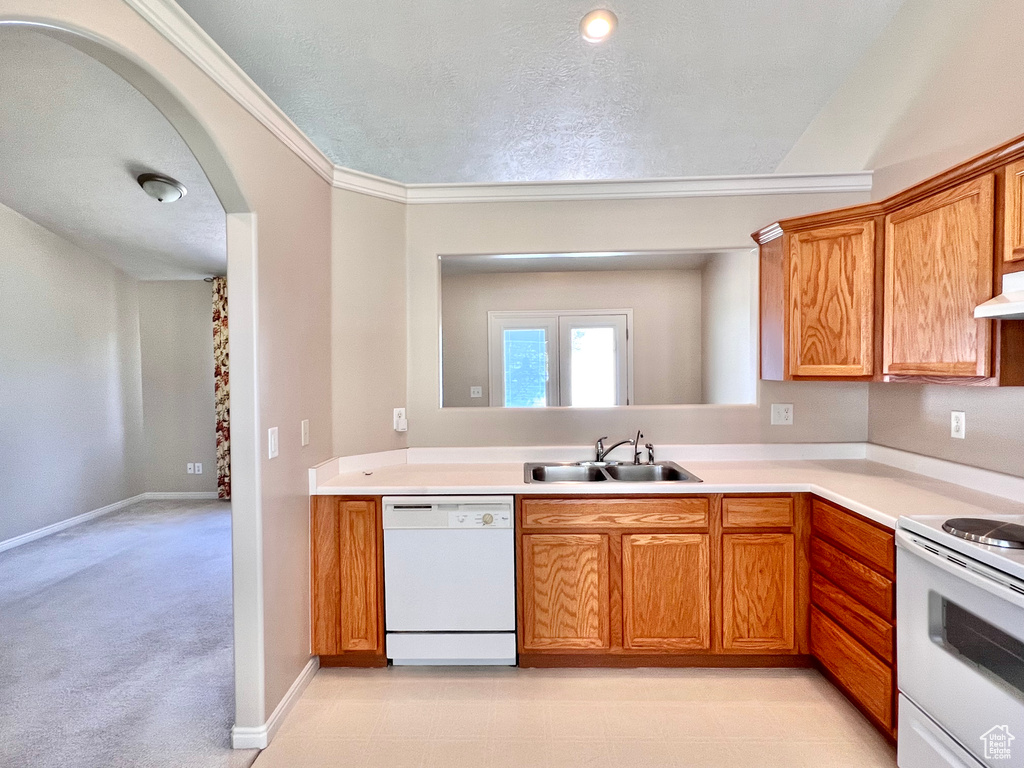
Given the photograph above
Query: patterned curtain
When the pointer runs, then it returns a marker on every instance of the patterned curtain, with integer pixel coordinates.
(221, 386)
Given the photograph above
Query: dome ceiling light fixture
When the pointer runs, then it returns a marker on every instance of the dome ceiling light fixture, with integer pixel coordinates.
(163, 189)
(598, 25)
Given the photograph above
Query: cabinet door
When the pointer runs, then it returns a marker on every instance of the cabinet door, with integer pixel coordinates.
(345, 569)
(565, 591)
(938, 268)
(1013, 213)
(666, 591)
(758, 591)
(832, 305)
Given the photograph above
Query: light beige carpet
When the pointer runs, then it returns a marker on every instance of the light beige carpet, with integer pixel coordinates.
(116, 643)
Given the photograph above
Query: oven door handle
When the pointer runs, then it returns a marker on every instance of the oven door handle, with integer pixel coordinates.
(976, 574)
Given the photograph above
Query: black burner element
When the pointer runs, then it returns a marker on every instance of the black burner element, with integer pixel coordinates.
(989, 532)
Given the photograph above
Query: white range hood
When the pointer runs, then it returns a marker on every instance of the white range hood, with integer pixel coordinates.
(1009, 305)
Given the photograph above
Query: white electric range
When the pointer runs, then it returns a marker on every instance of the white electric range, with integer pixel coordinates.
(960, 628)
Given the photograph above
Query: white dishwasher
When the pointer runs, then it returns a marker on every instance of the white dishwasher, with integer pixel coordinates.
(449, 579)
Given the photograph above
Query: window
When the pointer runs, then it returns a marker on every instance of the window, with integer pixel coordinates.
(572, 358)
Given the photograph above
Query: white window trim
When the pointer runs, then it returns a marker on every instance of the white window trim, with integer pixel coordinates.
(495, 377)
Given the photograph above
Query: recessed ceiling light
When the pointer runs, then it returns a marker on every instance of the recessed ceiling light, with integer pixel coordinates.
(597, 26)
(163, 189)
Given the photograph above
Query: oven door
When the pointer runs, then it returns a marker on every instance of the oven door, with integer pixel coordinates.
(961, 648)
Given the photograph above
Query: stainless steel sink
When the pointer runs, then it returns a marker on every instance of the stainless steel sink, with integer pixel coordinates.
(591, 472)
(662, 472)
(563, 473)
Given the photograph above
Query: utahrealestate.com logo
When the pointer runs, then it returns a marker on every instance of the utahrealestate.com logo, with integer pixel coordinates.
(997, 742)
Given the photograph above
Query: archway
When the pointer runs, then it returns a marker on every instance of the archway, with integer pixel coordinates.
(246, 538)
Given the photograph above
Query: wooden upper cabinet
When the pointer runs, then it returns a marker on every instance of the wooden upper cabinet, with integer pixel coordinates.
(938, 268)
(347, 575)
(831, 301)
(1013, 212)
(758, 592)
(565, 591)
(666, 591)
(818, 300)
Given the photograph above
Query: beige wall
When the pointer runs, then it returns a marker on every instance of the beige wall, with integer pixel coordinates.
(252, 171)
(368, 329)
(729, 328)
(971, 101)
(176, 332)
(666, 308)
(71, 394)
(824, 412)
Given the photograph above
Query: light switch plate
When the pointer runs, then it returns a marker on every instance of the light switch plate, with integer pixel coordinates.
(272, 446)
(782, 414)
(476, 391)
(958, 424)
(305, 432)
(190, 469)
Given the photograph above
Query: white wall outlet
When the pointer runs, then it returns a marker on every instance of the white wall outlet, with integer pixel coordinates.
(782, 414)
(305, 432)
(190, 469)
(476, 391)
(272, 443)
(958, 424)
(401, 422)
(199, 468)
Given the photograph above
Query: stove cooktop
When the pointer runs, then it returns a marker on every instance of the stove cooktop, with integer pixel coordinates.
(975, 539)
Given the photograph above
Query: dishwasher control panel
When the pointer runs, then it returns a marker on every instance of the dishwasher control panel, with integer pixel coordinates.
(448, 512)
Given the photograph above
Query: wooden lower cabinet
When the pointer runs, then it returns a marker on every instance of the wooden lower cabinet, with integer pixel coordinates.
(657, 581)
(347, 580)
(666, 591)
(758, 591)
(565, 595)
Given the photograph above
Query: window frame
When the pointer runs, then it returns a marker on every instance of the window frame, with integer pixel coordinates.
(499, 320)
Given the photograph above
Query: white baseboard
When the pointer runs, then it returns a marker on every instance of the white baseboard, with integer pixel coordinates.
(259, 737)
(85, 517)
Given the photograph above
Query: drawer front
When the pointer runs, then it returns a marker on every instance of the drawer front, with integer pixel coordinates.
(853, 577)
(863, 624)
(869, 544)
(755, 512)
(866, 678)
(616, 513)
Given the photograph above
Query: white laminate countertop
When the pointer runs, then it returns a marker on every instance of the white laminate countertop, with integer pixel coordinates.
(877, 491)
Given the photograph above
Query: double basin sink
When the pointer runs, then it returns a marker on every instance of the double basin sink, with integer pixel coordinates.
(603, 472)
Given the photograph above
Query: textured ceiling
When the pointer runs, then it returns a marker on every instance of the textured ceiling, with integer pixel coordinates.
(436, 91)
(73, 137)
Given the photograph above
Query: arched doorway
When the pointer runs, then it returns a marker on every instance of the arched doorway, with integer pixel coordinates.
(241, 268)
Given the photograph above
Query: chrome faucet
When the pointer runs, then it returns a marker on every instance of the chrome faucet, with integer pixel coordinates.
(602, 452)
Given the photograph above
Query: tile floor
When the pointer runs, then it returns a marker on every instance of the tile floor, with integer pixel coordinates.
(642, 718)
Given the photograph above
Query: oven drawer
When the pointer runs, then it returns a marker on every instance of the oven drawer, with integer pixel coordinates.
(869, 544)
(924, 745)
(866, 626)
(869, 587)
(868, 679)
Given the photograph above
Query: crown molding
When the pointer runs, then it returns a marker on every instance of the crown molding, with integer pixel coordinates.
(636, 189)
(182, 31)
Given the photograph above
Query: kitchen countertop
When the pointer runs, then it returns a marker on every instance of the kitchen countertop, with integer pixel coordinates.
(879, 492)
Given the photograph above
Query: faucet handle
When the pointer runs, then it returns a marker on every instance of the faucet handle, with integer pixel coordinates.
(599, 447)
(650, 453)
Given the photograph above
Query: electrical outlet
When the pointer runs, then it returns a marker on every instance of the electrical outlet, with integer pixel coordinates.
(401, 423)
(199, 468)
(272, 443)
(782, 414)
(958, 424)
(190, 469)
(305, 432)
(476, 391)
